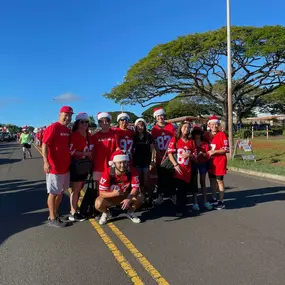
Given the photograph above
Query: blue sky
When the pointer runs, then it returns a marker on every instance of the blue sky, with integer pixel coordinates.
(54, 47)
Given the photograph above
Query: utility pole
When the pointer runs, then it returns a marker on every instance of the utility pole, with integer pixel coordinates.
(229, 75)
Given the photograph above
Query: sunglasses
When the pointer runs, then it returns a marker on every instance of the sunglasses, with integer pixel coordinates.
(124, 119)
(84, 122)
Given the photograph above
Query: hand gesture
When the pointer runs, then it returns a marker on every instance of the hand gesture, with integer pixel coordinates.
(126, 204)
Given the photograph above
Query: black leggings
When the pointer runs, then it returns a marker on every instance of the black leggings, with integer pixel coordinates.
(165, 182)
(181, 194)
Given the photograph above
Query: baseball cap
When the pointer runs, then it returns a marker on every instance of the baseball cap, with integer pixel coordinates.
(66, 109)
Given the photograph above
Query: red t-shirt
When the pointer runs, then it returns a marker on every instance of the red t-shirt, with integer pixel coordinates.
(57, 138)
(180, 147)
(218, 165)
(125, 139)
(200, 154)
(122, 181)
(80, 143)
(162, 138)
(104, 144)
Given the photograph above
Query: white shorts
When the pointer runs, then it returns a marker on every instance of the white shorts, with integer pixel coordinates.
(97, 175)
(57, 183)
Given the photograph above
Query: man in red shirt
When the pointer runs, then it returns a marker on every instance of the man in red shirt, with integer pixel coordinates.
(104, 144)
(125, 136)
(162, 132)
(218, 160)
(56, 156)
(119, 185)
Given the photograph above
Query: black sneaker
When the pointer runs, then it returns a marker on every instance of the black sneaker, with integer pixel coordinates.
(56, 223)
(214, 202)
(220, 205)
(76, 218)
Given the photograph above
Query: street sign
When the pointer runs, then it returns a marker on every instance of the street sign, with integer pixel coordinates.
(248, 157)
(246, 146)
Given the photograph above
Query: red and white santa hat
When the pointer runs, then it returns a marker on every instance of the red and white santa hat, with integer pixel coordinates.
(140, 120)
(102, 115)
(82, 116)
(213, 119)
(158, 112)
(25, 128)
(123, 115)
(118, 156)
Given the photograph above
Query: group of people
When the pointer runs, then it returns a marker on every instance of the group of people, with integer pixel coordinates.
(125, 163)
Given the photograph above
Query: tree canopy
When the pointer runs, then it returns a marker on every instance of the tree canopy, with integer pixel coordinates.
(195, 65)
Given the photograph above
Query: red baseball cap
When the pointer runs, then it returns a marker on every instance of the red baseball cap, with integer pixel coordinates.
(66, 109)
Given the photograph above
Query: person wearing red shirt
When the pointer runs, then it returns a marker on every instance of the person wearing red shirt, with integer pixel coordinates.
(56, 156)
(200, 163)
(218, 160)
(104, 144)
(184, 147)
(119, 185)
(80, 148)
(162, 132)
(125, 136)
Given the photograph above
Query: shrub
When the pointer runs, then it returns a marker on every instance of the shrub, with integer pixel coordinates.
(277, 131)
(243, 134)
(262, 133)
(284, 133)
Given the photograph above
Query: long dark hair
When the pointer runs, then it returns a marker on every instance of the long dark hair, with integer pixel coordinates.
(201, 133)
(144, 131)
(75, 127)
(179, 132)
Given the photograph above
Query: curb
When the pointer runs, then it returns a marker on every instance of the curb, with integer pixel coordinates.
(258, 174)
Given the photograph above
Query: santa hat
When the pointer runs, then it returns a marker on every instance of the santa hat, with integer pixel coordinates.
(213, 119)
(158, 112)
(140, 120)
(102, 115)
(82, 116)
(117, 156)
(25, 128)
(123, 115)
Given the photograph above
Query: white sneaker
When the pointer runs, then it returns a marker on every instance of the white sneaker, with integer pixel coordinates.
(159, 200)
(133, 217)
(104, 218)
(196, 207)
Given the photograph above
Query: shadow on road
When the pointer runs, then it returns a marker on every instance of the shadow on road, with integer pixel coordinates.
(9, 160)
(253, 197)
(23, 205)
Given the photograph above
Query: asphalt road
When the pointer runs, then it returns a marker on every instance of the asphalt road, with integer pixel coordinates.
(243, 244)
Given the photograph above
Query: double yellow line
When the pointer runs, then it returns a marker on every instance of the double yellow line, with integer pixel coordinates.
(125, 265)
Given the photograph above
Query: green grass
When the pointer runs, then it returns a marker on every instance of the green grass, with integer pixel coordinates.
(270, 156)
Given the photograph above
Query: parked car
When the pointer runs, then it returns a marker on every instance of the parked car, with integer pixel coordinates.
(7, 137)
(1, 137)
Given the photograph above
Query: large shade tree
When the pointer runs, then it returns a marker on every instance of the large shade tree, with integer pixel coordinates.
(195, 65)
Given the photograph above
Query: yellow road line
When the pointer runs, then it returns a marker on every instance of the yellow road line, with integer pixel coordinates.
(128, 269)
(142, 260)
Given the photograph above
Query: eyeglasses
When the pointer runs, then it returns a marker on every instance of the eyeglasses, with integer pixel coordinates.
(84, 122)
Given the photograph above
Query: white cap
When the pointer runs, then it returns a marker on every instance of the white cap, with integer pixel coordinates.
(140, 120)
(122, 115)
(82, 116)
(102, 115)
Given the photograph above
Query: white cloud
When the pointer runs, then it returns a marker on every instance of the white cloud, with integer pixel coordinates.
(67, 97)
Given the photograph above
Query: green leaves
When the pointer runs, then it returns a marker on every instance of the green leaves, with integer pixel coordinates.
(196, 64)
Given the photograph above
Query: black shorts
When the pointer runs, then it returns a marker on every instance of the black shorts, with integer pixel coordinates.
(74, 177)
(217, 177)
(26, 145)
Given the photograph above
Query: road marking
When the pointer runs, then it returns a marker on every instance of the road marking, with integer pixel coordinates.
(129, 270)
(142, 260)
